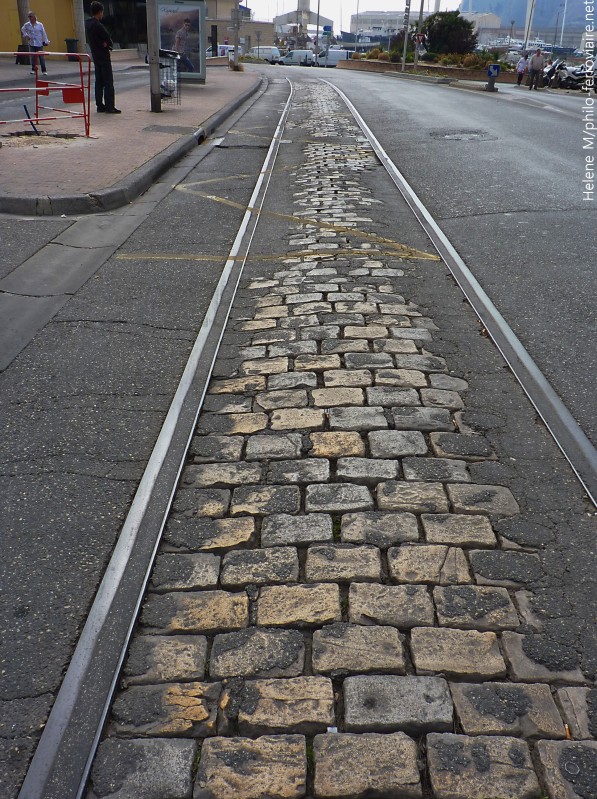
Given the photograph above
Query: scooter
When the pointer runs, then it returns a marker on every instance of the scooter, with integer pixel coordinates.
(560, 76)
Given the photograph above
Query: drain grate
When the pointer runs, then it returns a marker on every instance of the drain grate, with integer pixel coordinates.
(462, 135)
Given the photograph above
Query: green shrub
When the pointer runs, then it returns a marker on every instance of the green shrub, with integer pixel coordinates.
(428, 56)
(395, 57)
(373, 53)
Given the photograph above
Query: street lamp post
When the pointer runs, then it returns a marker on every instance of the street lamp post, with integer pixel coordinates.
(356, 34)
(563, 22)
(511, 31)
(317, 34)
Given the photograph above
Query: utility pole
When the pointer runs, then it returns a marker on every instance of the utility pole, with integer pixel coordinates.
(153, 55)
(563, 22)
(235, 17)
(317, 34)
(406, 24)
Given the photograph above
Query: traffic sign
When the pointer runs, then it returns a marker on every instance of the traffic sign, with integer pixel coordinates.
(493, 70)
(327, 28)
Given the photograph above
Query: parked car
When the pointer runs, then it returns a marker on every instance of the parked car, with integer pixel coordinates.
(304, 58)
(270, 54)
(330, 58)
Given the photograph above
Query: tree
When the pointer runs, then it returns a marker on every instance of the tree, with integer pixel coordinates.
(448, 32)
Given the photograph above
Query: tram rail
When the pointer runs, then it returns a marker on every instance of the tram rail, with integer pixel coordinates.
(62, 762)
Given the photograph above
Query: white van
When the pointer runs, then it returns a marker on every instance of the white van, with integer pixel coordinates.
(330, 58)
(271, 54)
(304, 58)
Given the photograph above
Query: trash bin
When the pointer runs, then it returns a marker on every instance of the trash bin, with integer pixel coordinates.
(71, 47)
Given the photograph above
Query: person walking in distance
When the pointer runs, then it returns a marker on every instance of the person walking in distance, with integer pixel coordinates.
(522, 68)
(181, 45)
(36, 37)
(536, 67)
(100, 45)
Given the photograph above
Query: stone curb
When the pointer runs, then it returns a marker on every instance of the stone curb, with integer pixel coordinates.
(131, 187)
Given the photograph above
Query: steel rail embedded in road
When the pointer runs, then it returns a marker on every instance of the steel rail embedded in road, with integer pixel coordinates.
(63, 758)
(573, 443)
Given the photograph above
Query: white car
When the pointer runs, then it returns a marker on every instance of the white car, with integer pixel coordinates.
(271, 54)
(304, 58)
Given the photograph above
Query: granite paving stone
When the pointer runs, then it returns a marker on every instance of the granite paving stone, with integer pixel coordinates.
(435, 469)
(440, 398)
(461, 446)
(263, 500)
(511, 569)
(416, 497)
(285, 530)
(402, 606)
(366, 470)
(407, 378)
(568, 768)
(227, 403)
(343, 563)
(336, 444)
(259, 566)
(378, 528)
(353, 648)
(448, 382)
(273, 400)
(331, 347)
(312, 470)
(216, 448)
(425, 419)
(493, 500)
(231, 423)
(369, 765)
(165, 658)
(274, 447)
(482, 767)
(396, 443)
(369, 360)
(237, 385)
(242, 768)
(458, 529)
(291, 380)
(155, 768)
(337, 498)
(184, 572)
(258, 652)
(205, 475)
(414, 705)
(177, 709)
(316, 363)
(371, 418)
(432, 563)
(326, 397)
(579, 710)
(457, 653)
(201, 502)
(496, 708)
(297, 418)
(208, 534)
(390, 396)
(471, 607)
(196, 612)
(308, 605)
(301, 705)
(422, 363)
(532, 658)
(349, 378)
(292, 348)
(393, 345)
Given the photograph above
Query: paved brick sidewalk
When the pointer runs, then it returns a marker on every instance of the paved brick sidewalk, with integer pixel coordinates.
(119, 145)
(320, 621)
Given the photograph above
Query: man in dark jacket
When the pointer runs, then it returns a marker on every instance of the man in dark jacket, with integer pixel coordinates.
(100, 45)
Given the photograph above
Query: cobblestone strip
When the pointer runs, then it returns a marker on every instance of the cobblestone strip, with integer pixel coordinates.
(332, 613)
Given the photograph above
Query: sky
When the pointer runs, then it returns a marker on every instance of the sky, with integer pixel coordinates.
(340, 10)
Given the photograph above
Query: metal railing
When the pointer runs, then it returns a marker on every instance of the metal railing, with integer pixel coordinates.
(68, 92)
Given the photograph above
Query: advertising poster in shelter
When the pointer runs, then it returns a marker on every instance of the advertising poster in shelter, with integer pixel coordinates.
(179, 31)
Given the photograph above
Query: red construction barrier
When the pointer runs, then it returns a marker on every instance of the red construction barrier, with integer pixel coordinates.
(71, 93)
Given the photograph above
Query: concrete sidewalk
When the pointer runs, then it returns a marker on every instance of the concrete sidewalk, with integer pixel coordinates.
(124, 154)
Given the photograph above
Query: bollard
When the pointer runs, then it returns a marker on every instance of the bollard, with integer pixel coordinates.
(493, 71)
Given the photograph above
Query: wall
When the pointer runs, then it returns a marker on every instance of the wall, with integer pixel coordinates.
(431, 70)
(56, 16)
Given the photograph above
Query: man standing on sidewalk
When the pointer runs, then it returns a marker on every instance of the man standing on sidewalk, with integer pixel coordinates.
(36, 37)
(536, 67)
(100, 45)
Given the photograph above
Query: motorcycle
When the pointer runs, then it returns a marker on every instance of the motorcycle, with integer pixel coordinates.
(561, 76)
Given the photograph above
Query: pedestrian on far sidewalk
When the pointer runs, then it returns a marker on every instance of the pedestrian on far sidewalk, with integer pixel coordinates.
(522, 68)
(536, 67)
(100, 44)
(36, 37)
